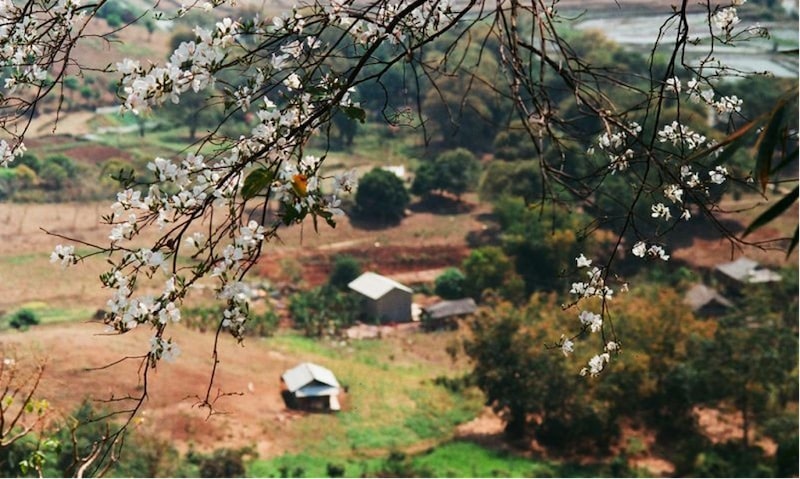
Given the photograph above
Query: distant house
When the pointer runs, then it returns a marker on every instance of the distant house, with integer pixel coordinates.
(445, 313)
(744, 271)
(705, 301)
(385, 299)
(311, 387)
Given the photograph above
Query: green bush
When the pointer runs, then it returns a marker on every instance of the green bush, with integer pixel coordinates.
(23, 319)
(731, 459)
(323, 311)
(454, 171)
(335, 470)
(30, 160)
(207, 319)
(345, 269)
(222, 462)
(450, 284)
(65, 162)
(381, 196)
(262, 325)
(53, 176)
(488, 267)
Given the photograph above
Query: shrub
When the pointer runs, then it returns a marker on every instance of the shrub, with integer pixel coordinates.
(222, 462)
(334, 470)
(30, 160)
(323, 311)
(53, 176)
(65, 162)
(207, 319)
(486, 267)
(26, 176)
(450, 284)
(345, 269)
(455, 171)
(23, 319)
(263, 325)
(381, 196)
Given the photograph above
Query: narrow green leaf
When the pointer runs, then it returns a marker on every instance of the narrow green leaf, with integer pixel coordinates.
(355, 113)
(315, 90)
(792, 244)
(788, 158)
(256, 181)
(773, 211)
(767, 142)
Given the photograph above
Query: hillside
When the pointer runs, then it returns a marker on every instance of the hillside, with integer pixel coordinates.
(394, 374)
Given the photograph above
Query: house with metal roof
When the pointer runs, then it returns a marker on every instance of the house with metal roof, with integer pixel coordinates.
(311, 386)
(445, 314)
(384, 300)
(705, 301)
(745, 271)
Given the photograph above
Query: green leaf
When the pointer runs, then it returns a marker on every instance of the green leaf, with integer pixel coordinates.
(788, 158)
(355, 113)
(767, 142)
(255, 182)
(772, 212)
(315, 90)
(792, 244)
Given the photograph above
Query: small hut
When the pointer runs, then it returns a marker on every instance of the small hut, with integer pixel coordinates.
(311, 387)
(385, 300)
(706, 302)
(744, 271)
(445, 314)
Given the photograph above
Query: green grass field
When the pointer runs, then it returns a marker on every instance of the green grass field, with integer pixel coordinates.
(451, 459)
(392, 402)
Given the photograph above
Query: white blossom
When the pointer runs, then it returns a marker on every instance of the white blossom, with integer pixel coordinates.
(596, 364)
(674, 193)
(582, 262)
(567, 346)
(673, 84)
(660, 210)
(63, 253)
(726, 19)
(591, 320)
(639, 249)
(718, 175)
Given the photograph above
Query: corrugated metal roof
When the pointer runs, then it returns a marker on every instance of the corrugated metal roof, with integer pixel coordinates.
(457, 307)
(307, 373)
(700, 295)
(375, 286)
(747, 270)
(316, 390)
(739, 269)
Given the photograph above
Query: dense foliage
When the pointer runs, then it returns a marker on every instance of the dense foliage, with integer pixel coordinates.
(381, 196)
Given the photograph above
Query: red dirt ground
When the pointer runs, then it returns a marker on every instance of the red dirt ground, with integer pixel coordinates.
(256, 412)
(94, 154)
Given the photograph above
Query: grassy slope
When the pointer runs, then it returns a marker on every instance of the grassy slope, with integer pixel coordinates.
(452, 459)
(391, 403)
